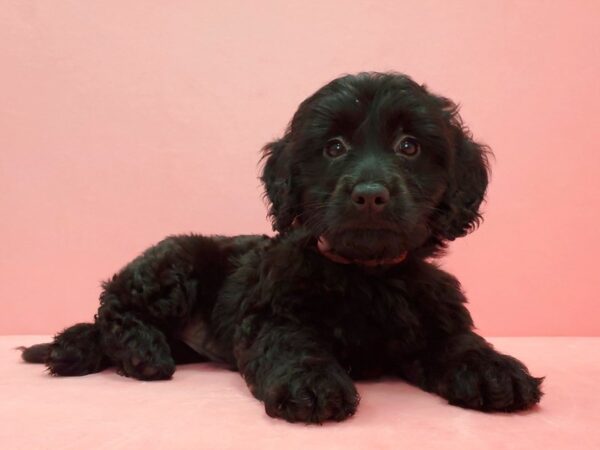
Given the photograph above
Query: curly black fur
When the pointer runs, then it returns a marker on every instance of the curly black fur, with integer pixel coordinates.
(297, 324)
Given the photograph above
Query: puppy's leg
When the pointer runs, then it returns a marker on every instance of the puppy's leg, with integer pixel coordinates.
(288, 368)
(76, 351)
(455, 362)
(468, 372)
(138, 349)
(144, 304)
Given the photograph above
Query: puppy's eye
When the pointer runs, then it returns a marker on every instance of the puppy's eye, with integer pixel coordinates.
(407, 146)
(335, 148)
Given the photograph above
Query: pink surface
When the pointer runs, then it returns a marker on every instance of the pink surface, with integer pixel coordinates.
(207, 407)
(122, 122)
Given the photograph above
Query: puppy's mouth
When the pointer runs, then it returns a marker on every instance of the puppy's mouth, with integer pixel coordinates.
(365, 246)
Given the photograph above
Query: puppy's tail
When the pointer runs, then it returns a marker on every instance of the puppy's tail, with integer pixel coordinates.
(74, 351)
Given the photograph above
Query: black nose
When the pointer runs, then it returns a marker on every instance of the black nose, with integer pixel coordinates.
(370, 196)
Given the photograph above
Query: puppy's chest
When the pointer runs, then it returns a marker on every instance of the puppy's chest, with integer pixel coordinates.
(366, 320)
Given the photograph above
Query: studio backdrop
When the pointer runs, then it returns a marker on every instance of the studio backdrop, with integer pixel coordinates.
(124, 122)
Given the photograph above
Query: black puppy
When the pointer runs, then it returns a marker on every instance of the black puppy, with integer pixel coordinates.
(372, 178)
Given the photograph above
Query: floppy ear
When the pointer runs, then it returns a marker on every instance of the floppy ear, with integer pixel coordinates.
(277, 180)
(458, 211)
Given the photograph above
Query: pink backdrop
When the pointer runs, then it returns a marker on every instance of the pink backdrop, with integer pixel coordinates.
(122, 122)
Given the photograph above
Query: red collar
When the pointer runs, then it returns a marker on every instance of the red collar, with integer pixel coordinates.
(325, 249)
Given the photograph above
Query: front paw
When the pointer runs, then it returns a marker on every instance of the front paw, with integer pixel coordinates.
(148, 368)
(146, 360)
(491, 382)
(312, 396)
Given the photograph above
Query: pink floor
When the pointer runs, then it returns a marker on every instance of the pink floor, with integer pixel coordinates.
(205, 407)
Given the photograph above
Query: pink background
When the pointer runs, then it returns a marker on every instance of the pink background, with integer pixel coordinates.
(122, 122)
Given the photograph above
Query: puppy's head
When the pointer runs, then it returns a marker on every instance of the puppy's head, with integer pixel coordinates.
(376, 166)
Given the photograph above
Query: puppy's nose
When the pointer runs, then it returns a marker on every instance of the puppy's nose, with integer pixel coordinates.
(370, 196)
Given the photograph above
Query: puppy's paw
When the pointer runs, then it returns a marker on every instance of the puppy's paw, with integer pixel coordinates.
(149, 369)
(491, 382)
(312, 397)
(147, 364)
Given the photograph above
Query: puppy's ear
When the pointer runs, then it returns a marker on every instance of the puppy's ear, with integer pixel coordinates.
(277, 180)
(458, 212)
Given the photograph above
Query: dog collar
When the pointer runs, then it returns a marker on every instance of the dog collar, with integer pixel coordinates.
(325, 249)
